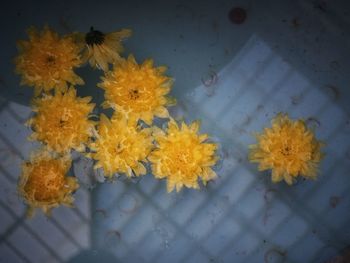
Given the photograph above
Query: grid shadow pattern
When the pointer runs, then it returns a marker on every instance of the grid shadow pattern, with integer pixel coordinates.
(241, 217)
(41, 239)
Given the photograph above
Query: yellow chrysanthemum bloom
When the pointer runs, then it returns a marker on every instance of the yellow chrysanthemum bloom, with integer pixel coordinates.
(44, 184)
(137, 90)
(288, 148)
(182, 156)
(47, 61)
(62, 121)
(121, 146)
(102, 49)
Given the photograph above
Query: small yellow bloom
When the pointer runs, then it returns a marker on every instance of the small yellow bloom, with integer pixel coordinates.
(62, 121)
(182, 156)
(43, 183)
(138, 91)
(46, 61)
(121, 146)
(102, 49)
(288, 148)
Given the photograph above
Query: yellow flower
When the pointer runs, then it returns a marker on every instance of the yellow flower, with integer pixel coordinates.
(62, 121)
(137, 90)
(102, 49)
(47, 61)
(288, 148)
(182, 156)
(121, 146)
(44, 184)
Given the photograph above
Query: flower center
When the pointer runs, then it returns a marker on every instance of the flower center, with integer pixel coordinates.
(61, 124)
(50, 60)
(94, 37)
(44, 182)
(181, 160)
(134, 94)
(119, 149)
(64, 118)
(287, 150)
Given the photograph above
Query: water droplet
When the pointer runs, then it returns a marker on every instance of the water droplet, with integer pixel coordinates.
(128, 203)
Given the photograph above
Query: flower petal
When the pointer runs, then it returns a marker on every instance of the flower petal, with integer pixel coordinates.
(161, 112)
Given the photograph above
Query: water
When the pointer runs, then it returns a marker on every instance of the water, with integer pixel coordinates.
(286, 56)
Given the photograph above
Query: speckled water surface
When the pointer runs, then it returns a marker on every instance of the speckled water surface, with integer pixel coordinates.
(233, 70)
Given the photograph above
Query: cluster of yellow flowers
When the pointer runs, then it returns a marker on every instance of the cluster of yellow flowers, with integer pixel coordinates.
(126, 142)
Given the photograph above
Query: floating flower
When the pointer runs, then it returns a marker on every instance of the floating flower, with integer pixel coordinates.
(288, 148)
(182, 156)
(62, 121)
(121, 146)
(44, 184)
(102, 49)
(137, 90)
(47, 61)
